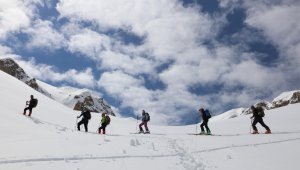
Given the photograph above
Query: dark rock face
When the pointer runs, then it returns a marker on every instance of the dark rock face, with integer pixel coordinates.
(93, 105)
(12, 68)
(9, 66)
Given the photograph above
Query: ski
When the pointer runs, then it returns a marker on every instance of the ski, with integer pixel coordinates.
(201, 134)
(198, 134)
(146, 133)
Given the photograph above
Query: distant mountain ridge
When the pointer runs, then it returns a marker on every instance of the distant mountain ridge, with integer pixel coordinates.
(72, 97)
(284, 99)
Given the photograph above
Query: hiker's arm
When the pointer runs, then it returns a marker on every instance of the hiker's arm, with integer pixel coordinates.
(80, 115)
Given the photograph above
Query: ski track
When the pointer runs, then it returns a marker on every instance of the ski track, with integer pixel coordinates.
(246, 145)
(186, 158)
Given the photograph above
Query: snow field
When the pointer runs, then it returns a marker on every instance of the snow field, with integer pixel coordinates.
(48, 140)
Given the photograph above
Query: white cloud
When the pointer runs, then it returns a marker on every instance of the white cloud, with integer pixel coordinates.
(168, 27)
(279, 21)
(14, 16)
(271, 18)
(89, 43)
(45, 72)
(132, 65)
(251, 75)
(42, 34)
(6, 52)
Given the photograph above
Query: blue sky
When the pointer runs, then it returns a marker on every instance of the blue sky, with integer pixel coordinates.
(169, 57)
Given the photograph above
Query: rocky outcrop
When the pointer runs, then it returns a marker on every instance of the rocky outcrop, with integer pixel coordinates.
(9, 66)
(264, 104)
(93, 104)
(283, 99)
(286, 99)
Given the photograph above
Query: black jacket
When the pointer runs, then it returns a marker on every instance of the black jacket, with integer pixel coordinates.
(31, 102)
(203, 115)
(85, 115)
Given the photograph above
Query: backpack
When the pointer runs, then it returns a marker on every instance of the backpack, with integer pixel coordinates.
(147, 117)
(207, 113)
(107, 119)
(34, 102)
(88, 115)
(260, 112)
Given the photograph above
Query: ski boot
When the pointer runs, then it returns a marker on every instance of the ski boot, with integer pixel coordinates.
(202, 133)
(268, 132)
(208, 132)
(147, 132)
(141, 132)
(255, 132)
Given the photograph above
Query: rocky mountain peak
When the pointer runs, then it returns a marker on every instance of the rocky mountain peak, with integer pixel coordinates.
(69, 96)
(9, 66)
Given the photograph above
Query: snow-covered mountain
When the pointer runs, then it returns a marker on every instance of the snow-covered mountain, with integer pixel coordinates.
(69, 96)
(75, 98)
(48, 140)
(284, 99)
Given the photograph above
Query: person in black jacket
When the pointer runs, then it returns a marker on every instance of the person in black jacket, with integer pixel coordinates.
(86, 115)
(31, 104)
(204, 123)
(258, 113)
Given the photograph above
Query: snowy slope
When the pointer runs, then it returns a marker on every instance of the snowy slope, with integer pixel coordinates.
(48, 140)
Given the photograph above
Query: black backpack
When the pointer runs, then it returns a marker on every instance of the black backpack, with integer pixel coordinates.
(147, 117)
(88, 115)
(207, 113)
(107, 119)
(260, 112)
(34, 102)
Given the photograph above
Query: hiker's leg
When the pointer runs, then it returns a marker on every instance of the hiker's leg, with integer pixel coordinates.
(206, 126)
(78, 124)
(201, 126)
(24, 113)
(140, 126)
(104, 127)
(263, 124)
(146, 126)
(254, 123)
(86, 125)
(30, 111)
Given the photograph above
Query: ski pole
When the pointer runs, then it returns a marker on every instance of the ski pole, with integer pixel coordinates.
(137, 122)
(251, 124)
(76, 122)
(100, 124)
